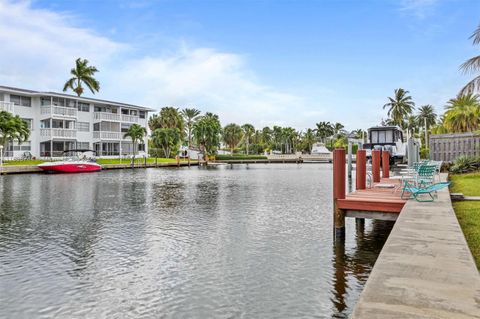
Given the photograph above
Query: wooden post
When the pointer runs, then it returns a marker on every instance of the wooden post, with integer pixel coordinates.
(188, 160)
(178, 160)
(386, 164)
(338, 191)
(361, 164)
(349, 160)
(376, 166)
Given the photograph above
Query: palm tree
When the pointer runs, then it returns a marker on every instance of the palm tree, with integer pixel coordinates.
(338, 127)
(190, 116)
(82, 73)
(277, 137)
(400, 106)
(462, 114)
(232, 135)
(248, 131)
(324, 130)
(136, 132)
(472, 65)
(167, 139)
(206, 132)
(267, 136)
(12, 128)
(309, 139)
(426, 114)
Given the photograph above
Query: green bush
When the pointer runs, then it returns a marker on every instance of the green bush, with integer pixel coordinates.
(424, 153)
(465, 164)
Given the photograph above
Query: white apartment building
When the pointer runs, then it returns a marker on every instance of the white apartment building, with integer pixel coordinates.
(60, 122)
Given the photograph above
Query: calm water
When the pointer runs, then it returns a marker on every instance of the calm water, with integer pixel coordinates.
(225, 242)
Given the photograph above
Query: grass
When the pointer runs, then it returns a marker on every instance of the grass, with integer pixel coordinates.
(239, 157)
(468, 213)
(23, 162)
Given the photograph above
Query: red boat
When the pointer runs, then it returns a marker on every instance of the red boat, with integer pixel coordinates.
(73, 164)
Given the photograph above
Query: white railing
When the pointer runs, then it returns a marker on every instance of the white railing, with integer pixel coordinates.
(58, 132)
(58, 111)
(107, 135)
(106, 116)
(6, 106)
(129, 118)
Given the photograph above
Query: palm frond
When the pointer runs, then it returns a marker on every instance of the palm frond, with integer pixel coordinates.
(471, 87)
(471, 65)
(476, 36)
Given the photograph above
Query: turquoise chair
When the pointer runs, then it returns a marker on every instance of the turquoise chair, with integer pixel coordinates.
(415, 191)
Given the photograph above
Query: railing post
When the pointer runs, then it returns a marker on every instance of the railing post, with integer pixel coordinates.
(338, 191)
(386, 164)
(376, 166)
(361, 164)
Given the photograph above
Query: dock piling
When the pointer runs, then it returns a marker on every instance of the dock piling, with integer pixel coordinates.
(361, 165)
(338, 191)
(385, 164)
(376, 166)
(349, 160)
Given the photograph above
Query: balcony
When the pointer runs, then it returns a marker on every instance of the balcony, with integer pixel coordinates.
(104, 135)
(7, 107)
(129, 118)
(50, 133)
(58, 111)
(105, 116)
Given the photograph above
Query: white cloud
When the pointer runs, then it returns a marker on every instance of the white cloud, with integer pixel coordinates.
(40, 47)
(418, 8)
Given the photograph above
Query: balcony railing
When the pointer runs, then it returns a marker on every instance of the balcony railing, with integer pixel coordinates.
(58, 111)
(129, 118)
(106, 116)
(58, 132)
(103, 135)
(6, 106)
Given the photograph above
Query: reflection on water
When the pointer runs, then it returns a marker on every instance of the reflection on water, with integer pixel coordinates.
(223, 242)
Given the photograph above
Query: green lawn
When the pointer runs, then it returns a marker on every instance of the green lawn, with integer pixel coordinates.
(23, 162)
(468, 213)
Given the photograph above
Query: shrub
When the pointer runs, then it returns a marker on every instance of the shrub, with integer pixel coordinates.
(465, 164)
(424, 153)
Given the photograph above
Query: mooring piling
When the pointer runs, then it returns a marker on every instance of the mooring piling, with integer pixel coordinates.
(361, 169)
(386, 164)
(376, 166)
(338, 191)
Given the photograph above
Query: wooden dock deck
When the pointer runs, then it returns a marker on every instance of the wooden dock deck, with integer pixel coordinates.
(375, 199)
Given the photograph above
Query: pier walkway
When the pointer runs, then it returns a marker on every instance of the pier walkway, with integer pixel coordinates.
(425, 269)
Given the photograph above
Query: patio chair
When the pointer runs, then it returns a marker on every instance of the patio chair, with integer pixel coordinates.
(416, 191)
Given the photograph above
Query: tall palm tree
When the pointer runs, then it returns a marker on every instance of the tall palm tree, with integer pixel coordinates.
(232, 135)
(136, 132)
(82, 73)
(426, 114)
(324, 130)
(277, 137)
(267, 136)
(12, 128)
(190, 116)
(206, 132)
(472, 65)
(248, 131)
(463, 114)
(309, 139)
(400, 106)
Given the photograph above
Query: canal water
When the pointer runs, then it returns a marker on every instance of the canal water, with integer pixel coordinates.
(220, 242)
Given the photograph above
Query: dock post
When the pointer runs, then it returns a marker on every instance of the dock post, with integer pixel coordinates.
(386, 164)
(376, 166)
(349, 160)
(361, 164)
(338, 191)
(410, 153)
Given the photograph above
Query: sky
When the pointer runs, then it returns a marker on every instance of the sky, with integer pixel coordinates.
(264, 62)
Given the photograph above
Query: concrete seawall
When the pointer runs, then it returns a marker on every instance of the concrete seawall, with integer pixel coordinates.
(34, 169)
(425, 269)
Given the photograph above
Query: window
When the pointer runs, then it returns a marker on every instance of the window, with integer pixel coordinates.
(45, 123)
(25, 146)
(83, 145)
(58, 101)
(21, 100)
(83, 126)
(29, 123)
(125, 112)
(142, 114)
(125, 127)
(83, 107)
(45, 100)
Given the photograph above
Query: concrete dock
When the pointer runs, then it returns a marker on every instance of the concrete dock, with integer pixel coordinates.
(425, 269)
